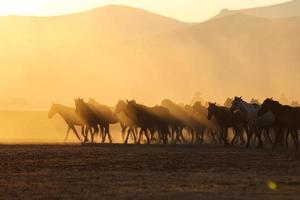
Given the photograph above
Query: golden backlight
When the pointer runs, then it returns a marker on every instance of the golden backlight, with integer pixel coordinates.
(121, 52)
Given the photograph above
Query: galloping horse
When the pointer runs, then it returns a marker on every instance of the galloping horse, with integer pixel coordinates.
(226, 120)
(255, 123)
(197, 126)
(105, 116)
(286, 117)
(153, 119)
(89, 116)
(179, 119)
(127, 121)
(201, 113)
(70, 116)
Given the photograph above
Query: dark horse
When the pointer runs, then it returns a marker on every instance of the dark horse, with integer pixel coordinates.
(153, 119)
(127, 121)
(105, 117)
(286, 117)
(226, 120)
(89, 116)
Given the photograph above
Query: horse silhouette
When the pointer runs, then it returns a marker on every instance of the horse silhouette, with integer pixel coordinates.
(226, 120)
(127, 121)
(71, 118)
(286, 117)
(197, 127)
(179, 119)
(89, 116)
(211, 126)
(254, 123)
(105, 117)
(153, 119)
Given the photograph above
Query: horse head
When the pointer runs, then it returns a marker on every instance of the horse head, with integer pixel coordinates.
(79, 103)
(211, 110)
(268, 105)
(120, 107)
(52, 111)
(236, 104)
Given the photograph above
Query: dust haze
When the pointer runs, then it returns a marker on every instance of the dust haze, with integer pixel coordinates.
(117, 52)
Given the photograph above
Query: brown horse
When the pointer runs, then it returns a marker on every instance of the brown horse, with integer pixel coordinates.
(127, 121)
(89, 116)
(226, 120)
(286, 117)
(211, 126)
(179, 119)
(105, 116)
(153, 119)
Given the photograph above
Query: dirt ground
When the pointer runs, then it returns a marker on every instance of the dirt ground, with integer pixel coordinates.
(147, 172)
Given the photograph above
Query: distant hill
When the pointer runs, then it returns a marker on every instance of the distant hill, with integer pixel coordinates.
(287, 9)
(56, 53)
(236, 54)
(119, 52)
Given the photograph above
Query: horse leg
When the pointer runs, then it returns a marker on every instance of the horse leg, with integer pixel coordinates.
(277, 135)
(83, 134)
(87, 129)
(74, 130)
(295, 138)
(123, 127)
(268, 135)
(140, 135)
(67, 134)
(288, 133)
(260, 143)
(92, 135)
(225, 135)
(249, 132)
(235, 135)
(177, 137)
(108, 133)
(147, 136)
(127, 137)
(134, 132)
(192, 132)
(181, 135)
(103, 132)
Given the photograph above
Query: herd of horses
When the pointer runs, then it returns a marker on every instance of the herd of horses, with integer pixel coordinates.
(169, 123)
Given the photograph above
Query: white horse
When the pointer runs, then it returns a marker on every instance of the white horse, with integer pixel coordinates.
(255, 123)
(71, 118)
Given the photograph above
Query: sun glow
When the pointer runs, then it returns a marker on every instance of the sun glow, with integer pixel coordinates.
(185, 10)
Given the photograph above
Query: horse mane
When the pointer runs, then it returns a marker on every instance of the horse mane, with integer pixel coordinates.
(85, 111)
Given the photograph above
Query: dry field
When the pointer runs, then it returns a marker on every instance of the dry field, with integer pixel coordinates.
(147, 172)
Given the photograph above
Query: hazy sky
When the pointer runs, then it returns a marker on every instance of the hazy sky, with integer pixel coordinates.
(185, 10)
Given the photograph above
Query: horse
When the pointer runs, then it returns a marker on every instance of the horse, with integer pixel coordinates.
(286, 117)
(153, 119)
(226, 120)
(71, 118)
(255, 123)
(210, 125)
(127, 121)
(179, 119)
(89, 116)
(105, 116)
(197, 127)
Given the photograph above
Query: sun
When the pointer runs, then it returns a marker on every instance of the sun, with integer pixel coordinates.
(14, 7)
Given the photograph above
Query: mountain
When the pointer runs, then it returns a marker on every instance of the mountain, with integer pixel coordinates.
(119, 52)
(235, 54)
(58, 52)
(287, 9)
